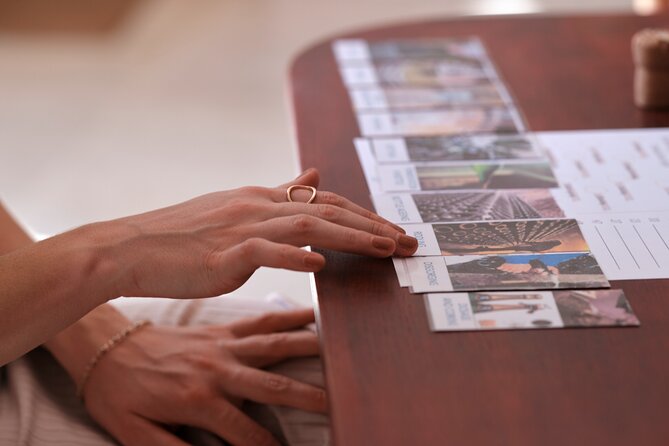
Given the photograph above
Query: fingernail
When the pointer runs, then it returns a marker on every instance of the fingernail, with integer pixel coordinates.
(313, 261)
(407, 242)
(383, 244)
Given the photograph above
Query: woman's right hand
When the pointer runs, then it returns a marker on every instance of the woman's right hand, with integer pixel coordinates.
(212, 244)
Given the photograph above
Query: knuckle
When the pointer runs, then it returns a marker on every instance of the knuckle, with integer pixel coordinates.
(195, 394)
(230, 373)
(211, 269)
(286, 253)
(211, 262)
(369, 214)
(276, 340)
(377, 228)
(351, 238)
(303, 223)
(327, 211)
(250, 246)
(331, 199)
(276, 383)
(226, 416)
(204, 363)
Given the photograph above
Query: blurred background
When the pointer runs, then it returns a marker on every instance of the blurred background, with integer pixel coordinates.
(113, 107)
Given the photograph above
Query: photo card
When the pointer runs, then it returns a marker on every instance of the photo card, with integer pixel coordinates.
(460, 206)
(456, 148)
(505, 272)
(448, 71)
(352, 51)
(498, 237)
(472, 119)
(437, 177)
(529, 310)
(485, 93)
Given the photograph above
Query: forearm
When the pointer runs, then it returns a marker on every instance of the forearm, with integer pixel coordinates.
(48, 285)
(12, 236)
(74, 346)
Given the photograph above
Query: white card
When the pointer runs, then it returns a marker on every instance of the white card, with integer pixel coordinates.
(499, 310)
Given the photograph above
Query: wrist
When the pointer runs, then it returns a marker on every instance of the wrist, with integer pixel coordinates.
(75, 346)
(104, 257)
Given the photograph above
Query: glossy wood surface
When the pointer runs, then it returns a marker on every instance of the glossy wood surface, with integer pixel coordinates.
(393, 382)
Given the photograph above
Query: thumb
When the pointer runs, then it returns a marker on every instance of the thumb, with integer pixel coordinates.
(309, 177)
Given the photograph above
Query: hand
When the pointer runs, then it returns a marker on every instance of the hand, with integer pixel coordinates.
(198, 376)
(212, 244)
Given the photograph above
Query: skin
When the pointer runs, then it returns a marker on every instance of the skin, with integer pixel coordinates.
(204, 247)
(198, 376)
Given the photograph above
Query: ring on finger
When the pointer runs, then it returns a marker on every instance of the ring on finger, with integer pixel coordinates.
(311, 189)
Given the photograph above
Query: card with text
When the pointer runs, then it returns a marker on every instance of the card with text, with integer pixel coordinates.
(497, 237)
(459, 206)
(448, 71)
(504, 272)
(456, 148)
(475, 119)
(436, 177)
(529, 310)
(396, 98)
(354, 51)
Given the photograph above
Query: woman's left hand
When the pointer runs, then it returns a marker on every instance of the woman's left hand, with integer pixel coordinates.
(160, 377)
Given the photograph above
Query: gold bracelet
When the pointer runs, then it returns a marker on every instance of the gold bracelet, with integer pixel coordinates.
(105, 348)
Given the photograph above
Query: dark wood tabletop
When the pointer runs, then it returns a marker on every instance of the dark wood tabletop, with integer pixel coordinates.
(393, 382)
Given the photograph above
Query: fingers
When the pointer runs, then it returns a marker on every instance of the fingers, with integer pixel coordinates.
(337, 200)
(310, 178)
(405, 244)
(337, 209)
(301, 230)
(139, 431)
(231, 424)
(268, 349)
(272, 322)
(230, 268)
(269, 388)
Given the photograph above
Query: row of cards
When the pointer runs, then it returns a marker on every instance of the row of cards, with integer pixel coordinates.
(438, 87)
(445, 156)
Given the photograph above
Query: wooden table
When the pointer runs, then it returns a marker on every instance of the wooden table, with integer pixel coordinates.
(393, 382)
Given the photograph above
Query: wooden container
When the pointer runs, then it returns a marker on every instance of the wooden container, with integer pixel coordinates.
(650, 50)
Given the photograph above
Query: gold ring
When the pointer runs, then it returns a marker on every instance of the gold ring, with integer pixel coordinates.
(300, 186)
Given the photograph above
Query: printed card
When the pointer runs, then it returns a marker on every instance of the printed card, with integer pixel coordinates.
(498, 237)
(529, 310)
(352, 51)
(459, 206)
(448, 71)
(458, 148)
(434, 177)
(402, 273)
(477, 119)
(504, 272)
(480, 93)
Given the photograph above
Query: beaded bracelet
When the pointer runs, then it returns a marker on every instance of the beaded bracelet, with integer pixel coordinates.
(105, 348)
